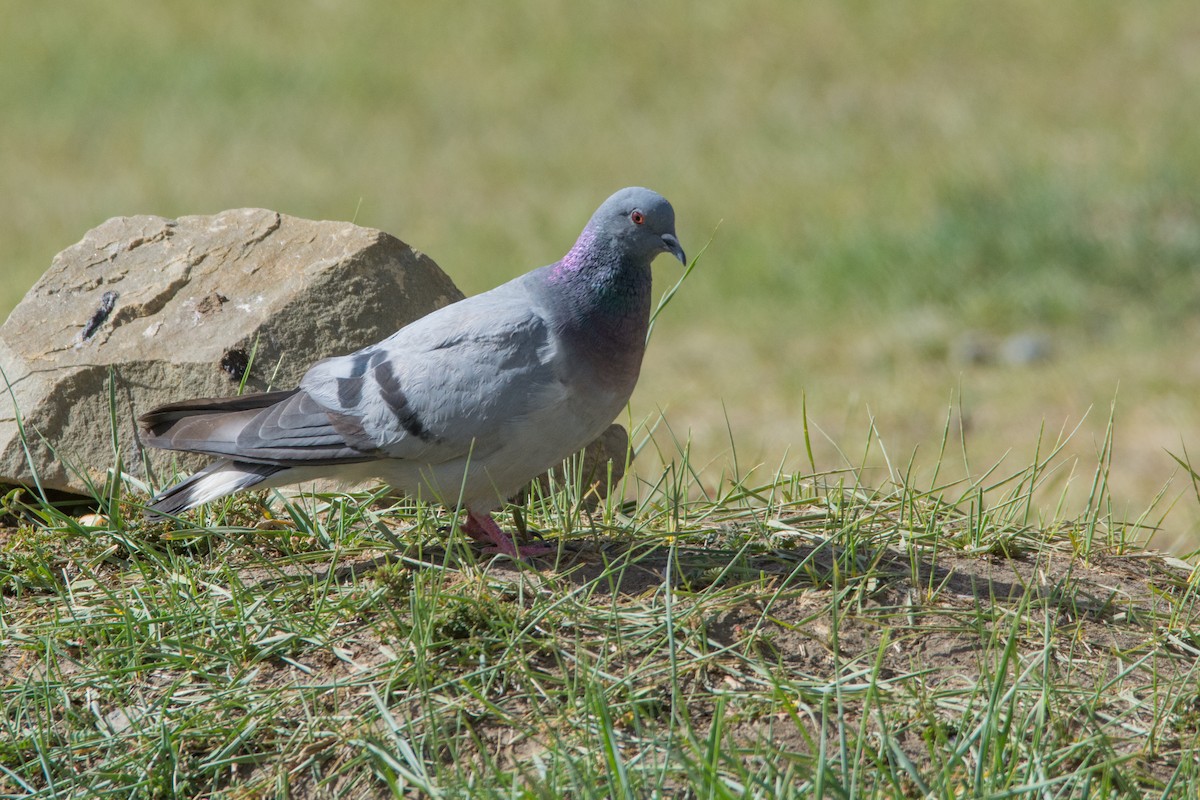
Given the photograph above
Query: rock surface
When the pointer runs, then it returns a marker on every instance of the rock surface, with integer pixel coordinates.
(146, 310)
(594, 474)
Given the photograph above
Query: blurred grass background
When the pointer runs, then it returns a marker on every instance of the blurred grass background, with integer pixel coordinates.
(984, 211)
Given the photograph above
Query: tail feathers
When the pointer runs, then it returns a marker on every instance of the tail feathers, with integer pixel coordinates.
(215, 481)
(207, 425)
(158, 421)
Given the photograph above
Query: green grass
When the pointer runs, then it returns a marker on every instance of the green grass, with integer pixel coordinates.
(776, 634)
(895, 182)
(867, 149)
(867, 617)
(920, 596)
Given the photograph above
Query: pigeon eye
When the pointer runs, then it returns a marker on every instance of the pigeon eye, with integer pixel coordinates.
(637, 217)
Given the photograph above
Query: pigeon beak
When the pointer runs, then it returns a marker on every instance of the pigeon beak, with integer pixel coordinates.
(671, 245)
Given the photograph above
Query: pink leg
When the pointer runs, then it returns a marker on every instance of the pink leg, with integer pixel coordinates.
(482, 528)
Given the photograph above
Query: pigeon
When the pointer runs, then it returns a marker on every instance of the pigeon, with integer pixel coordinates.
(469, 402)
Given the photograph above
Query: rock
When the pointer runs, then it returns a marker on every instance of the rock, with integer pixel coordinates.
(593, 474)
(146, 310)
(1024, 349)
(1019, 349)
(973, 348)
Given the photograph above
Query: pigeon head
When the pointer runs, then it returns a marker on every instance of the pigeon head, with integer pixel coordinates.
(601, 287)
(638, 224)
(598, 295)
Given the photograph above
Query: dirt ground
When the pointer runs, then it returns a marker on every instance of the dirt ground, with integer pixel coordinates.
(923, 631)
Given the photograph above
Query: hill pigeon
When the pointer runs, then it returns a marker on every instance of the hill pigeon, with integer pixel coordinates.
(473, 400)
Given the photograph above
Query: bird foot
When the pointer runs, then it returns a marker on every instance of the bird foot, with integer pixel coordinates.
(482, 528)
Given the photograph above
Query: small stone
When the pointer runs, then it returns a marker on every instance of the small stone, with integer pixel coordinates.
(1023, 349)
(610, 447)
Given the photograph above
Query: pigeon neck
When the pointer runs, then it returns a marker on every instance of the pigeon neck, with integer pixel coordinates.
(581, 258)
(595, 277)
(605, 297)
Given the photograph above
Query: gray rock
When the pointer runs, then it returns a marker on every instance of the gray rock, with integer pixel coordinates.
(1024, 349)
(146, 310)
(593, 473)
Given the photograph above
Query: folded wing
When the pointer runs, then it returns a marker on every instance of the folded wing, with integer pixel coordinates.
(431, 392)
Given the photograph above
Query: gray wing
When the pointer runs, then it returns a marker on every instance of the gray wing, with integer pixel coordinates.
(447, 385)
(443, 387)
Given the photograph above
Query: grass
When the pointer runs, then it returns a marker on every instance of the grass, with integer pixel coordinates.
(898, 183)
(774, 634)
